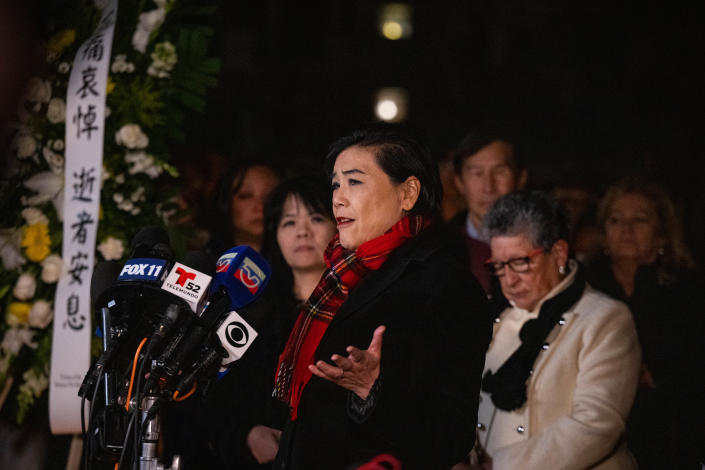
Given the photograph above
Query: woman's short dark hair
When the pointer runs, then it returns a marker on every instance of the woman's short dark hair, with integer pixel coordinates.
(531, 213)
(314, 191)
(400, 156)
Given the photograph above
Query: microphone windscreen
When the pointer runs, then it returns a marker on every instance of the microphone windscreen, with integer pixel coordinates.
(104, 277)
(150, 235)
(200, 261)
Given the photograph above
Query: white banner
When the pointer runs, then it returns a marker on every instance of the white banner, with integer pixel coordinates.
(85, 127)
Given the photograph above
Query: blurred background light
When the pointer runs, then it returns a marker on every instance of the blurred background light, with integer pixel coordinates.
(394, 21)
(391, 104)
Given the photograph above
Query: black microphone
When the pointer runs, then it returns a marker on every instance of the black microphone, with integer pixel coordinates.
(240, 278)
(104, 276)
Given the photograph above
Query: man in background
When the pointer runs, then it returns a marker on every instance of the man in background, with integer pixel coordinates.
(486, 168)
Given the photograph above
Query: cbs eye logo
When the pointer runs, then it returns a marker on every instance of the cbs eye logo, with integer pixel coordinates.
(237, 334)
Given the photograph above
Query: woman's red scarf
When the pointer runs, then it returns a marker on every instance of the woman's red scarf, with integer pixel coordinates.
(346, 268)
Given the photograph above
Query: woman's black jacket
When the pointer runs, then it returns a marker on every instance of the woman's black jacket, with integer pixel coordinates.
(438, 329)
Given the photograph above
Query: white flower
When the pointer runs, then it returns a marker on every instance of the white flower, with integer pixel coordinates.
(58, 145)
(149, 21)
(119, 179)
(24, 145)
(153, 19)
(138, 194)
(56, 111)
(10, 240)
(126, 205)
(163, 60)
(142, 163)
(49, 186)
(24, 287)
(135, 211)
(32, 216)
(55, 161)
(64, 67)
(40, 315)
(15, 338)
(111, 248)
(121, 65)
(118, 198)
(51, 269)
(35, 383)
(38, 90)
(140, 39)
(132, 137)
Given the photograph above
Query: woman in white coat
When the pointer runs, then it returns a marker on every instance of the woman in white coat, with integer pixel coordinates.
(562, 369)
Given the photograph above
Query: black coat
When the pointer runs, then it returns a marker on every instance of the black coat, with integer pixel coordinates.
(433, 352)
(665, 426)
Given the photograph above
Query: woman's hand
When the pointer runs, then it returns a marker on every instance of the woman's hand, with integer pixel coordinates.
(358, 371)
(263, 443)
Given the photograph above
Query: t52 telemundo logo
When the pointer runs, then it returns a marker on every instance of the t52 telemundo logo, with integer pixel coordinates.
(250, 275)
(187, 283)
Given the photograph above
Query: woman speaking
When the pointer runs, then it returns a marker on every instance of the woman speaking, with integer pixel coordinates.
(386, 355)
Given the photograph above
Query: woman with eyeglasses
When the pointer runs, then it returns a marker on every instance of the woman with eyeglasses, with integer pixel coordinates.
(562, 368)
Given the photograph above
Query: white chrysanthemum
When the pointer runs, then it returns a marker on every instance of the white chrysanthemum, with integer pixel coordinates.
(32, 216)
(15, 338)
(38, 90)
(132, 137)
(118, 198)
(64, 67)
(119, 179)
(58, 145)
(51, 269)
(111, 248)
(56, 111)
(24, 145)
(41, 314)
(25, 287)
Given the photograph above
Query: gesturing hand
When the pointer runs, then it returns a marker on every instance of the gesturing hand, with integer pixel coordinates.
(358, 371)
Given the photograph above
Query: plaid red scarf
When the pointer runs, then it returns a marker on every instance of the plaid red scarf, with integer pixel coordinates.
(346, 269)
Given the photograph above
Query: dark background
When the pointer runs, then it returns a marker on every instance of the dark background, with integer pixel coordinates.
(593, 90)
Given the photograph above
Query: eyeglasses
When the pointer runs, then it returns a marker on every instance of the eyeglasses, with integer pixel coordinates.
(518, 265)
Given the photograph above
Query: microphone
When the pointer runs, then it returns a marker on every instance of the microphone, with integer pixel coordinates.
(150, 259)
(190, 280)
(239, 329)
(103, 278)
(241, 275)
